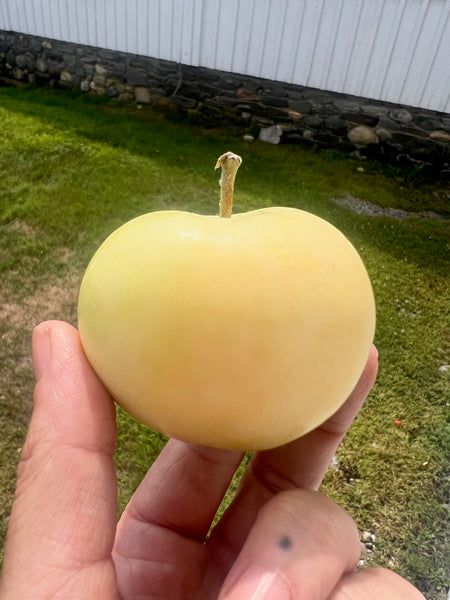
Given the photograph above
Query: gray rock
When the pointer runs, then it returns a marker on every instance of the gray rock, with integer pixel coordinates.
(363, 136)
(142, 95)
(41, 65)
(21, 61)
(17, 73)
(440, 135)
(366, 536)
(400, 115)
(137, 76)
(344, 105)
(383, 134)
(375, 111)
(427, 122)
(301, 106)
(248, 138)
(275, 101)
(10, 58)
(294, 115)
(100, 70)
(65, 76)
(312, 121)
(99, 80)
(336, 125)
(85, 85)
(271, 135)
(53, 66)
(100, 90)
(184, 102)
(69, 59)
(360, 119)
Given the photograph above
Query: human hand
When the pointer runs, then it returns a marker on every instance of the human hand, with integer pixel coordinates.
(279, 539)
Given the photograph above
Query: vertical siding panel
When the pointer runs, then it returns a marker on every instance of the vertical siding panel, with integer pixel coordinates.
(334, 42)
(83, 34)
(257, 35)
(344, 44)
(6, 20)
(186, 32)
(289, 39)
(21, 16)
(177, 30)
(109, 30)
(298, 38)
(91, 31)
(72, 20)
(46, 30)
(306, 42)
(396, 73)
(140, 18)
(153, 29)
(433, 91)
(363, 45)
(165, 29)
(41, 23)
(274, 34)
(388, 27)
(3, 17)
(65, 32)
(121, 13)
(127, 21)
(86, 24)
(324, 44)
(196, 32)
(428, 39)
(242, 37)
(99, 23)
(33, 17)
(62, 21)
(12, 7)
(226, 34)
(209, 32)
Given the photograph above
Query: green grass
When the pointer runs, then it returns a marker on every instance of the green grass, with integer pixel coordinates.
(73, 169)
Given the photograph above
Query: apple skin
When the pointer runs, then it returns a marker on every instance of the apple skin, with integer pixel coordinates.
(240, 333)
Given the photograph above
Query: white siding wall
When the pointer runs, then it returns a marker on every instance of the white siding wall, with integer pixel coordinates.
(394, 50)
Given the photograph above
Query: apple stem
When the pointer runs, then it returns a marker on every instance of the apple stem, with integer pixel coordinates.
(230, 163)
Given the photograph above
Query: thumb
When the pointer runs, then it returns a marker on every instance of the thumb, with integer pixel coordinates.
(64, 514)
(299, 547)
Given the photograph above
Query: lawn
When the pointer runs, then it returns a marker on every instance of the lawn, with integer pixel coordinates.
(73, 169)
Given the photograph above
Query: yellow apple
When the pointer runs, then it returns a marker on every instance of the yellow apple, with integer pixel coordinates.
(242, 331)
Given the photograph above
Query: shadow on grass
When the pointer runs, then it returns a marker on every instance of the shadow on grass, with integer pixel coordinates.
(290, 176)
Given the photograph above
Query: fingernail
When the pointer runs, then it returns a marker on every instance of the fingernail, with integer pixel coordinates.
(259, 585)
(41, 351)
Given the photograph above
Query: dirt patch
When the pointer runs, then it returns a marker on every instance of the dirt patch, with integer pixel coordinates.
(22, 227)
(55, 300)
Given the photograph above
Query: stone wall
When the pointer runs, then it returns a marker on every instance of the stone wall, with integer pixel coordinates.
(274, 112)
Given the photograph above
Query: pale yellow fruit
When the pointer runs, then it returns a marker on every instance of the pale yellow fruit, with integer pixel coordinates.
(242, 332)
